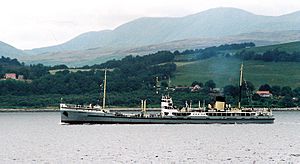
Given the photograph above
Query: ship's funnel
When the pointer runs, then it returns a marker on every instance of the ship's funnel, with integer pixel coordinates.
(220, 103)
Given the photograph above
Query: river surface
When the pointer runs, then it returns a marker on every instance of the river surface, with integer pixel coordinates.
(40, 138)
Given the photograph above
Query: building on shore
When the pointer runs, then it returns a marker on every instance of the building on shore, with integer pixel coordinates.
(14, 76)
(10, 76)
(264, 93)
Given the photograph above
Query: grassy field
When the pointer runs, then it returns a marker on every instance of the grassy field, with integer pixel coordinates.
(225, 71)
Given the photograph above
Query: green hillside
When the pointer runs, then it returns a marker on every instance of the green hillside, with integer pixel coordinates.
(288, 47)
(225, 71)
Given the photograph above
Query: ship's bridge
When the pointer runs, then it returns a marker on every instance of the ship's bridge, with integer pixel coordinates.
(167, 107)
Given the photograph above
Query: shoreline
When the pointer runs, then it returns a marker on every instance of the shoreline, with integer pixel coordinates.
(286, 109)
(113, 109)
(29, 110)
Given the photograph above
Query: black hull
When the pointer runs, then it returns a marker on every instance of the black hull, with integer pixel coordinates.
(74, 117)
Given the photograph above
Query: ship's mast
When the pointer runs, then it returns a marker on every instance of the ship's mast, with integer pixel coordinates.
(169, 86)
(157, 85)
(241, 83)
(104, 89)
(169, 83)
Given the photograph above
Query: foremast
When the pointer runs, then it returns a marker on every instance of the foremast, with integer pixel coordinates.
(104, 90)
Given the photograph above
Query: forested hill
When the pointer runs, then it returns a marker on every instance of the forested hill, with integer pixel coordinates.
(131, 74)
(129, 79)
(6, 62)
(8, 65)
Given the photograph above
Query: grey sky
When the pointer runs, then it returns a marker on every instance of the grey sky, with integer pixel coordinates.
(37, 23)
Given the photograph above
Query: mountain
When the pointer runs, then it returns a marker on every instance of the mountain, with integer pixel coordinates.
(9, 51)
(147, 35)
(81, 42)
(217, 22)
(99, 55)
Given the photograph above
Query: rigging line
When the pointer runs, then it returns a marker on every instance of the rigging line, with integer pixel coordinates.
(249, 95)
(248, 92)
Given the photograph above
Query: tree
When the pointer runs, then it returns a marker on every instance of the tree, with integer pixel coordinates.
(248, 86)
(176, 52)
(275, 90)
(247, 55)
(61, 66)
(197, 83)
(256, 97)
(230, 90)
(210, 84)
(286, 91)
(297, 92)
(287, 101)
(265, 87)
(164, 84)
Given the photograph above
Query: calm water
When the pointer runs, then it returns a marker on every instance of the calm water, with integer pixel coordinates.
(40, 138)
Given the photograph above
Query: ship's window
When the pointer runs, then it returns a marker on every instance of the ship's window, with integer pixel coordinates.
(166, 113)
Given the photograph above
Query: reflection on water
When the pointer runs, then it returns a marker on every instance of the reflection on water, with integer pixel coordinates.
(39, 137)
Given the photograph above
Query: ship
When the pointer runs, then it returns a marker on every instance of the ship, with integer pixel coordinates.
(218, 113)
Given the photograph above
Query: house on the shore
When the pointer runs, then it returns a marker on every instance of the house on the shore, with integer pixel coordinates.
(195, 88)
(14, 76)
(10, 76)
(264, 93)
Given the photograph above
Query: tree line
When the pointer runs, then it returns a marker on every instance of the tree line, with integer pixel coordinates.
(205, 53)
(281, 96)
(269, 56)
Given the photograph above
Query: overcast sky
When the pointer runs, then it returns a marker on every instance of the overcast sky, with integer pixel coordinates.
(28, 24)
